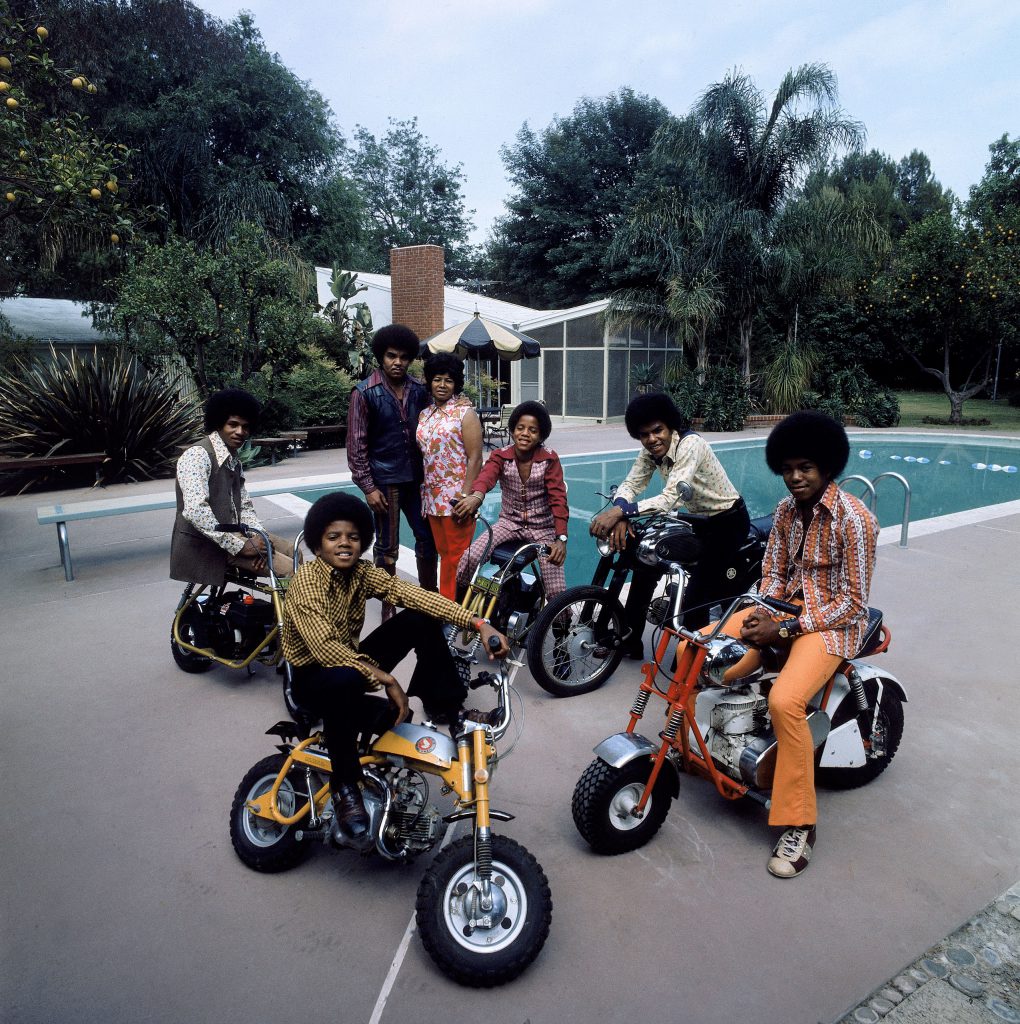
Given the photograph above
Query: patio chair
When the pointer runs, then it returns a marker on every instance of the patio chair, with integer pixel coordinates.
(497, 431)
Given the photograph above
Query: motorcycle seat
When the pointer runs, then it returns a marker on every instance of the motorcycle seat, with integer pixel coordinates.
(774, 658)
(760, 529)
(503, 553)
(873, 636)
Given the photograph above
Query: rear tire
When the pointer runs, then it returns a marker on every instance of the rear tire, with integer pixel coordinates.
(574, 645)
(484, 956)
(187, 660)
(603, 797)
(881, 745)
(262, 844)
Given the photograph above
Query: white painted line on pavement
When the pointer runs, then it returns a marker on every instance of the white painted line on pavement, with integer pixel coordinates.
(398, 957)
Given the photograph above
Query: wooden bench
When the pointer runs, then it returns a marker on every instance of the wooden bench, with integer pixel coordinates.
(62, 514)
(327, 436)
(14, 465)
(272, 443)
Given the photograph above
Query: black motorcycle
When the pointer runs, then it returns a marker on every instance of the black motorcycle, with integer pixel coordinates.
(578, 639)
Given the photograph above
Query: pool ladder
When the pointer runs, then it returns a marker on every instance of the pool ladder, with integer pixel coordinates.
(872, 497)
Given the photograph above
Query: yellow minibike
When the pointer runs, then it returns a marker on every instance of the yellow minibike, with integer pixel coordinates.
(236, 624)
(483, 906)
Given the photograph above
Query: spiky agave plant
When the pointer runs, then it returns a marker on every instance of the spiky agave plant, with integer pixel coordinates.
(105, 402)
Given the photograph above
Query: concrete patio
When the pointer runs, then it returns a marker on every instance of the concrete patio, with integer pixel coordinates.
(124, 902)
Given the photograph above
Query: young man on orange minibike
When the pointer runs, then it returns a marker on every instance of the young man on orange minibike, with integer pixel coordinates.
(334, 671)
(821, 556)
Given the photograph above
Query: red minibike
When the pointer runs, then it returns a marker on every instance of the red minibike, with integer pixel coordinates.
(722, 730)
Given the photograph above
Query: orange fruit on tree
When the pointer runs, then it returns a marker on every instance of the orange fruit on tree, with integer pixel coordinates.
(4, 87)
(95, 193)
(11, 197)
(112, 186)
(42, 32)
(5, 64)
(11, 102)
(115, 238)
(78, 83)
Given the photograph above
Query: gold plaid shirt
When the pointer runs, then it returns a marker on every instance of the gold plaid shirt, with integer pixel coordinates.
(324, 612)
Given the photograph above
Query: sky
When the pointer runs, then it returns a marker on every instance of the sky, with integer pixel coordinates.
(934, 75)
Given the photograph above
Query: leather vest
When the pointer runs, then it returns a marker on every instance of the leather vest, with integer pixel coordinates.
(194, 558)
(393, 453)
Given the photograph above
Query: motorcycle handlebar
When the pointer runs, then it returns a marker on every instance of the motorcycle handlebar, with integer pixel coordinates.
(240, 528)
(494, 644)
(782, 606)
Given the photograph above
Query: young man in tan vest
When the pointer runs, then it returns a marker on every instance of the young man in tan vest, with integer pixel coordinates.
(210, 490)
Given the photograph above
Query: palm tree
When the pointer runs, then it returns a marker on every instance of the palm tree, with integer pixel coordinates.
(727, 173)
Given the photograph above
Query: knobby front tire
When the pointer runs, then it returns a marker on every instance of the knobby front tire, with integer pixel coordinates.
(484, 956)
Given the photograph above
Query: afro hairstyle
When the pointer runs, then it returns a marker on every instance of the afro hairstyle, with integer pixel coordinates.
(232, 402)
(338, 505)
(445, 362)
(651, 408)
(808, 435)
(536, 409)
(395, 336)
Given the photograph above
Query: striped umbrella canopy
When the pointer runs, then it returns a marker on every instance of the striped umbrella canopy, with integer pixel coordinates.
(482, 338)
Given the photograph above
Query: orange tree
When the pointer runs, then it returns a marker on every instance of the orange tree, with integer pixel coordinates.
(60, 183)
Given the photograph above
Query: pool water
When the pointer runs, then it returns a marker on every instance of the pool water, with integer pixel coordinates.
(945, 476)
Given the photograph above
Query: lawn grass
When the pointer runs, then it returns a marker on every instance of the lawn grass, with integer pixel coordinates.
(915, 405)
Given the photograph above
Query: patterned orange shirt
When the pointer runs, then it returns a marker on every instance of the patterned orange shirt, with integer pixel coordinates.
(831, 575)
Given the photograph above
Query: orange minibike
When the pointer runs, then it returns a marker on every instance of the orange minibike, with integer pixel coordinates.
(719, 728)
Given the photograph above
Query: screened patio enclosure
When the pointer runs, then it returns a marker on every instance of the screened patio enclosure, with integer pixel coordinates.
(584, 370)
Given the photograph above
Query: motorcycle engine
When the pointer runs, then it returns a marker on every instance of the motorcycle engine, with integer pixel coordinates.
(241, 624)
(413, 825)
(736, 719)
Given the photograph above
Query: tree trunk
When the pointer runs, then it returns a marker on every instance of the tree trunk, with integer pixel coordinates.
(745, 348)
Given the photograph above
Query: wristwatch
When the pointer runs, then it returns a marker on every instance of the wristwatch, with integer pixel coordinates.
(562, 538)
(788, 628)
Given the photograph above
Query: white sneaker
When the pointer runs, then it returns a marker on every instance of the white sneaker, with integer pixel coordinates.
(792, 853)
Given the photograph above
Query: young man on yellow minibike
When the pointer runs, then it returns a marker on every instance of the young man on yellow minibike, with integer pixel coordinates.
(335, 671)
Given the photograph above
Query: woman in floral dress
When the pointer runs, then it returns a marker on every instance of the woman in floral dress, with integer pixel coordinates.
(450, 438)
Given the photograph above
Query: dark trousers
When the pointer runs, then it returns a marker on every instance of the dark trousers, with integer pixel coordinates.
(405, 498)
(721, 536)
(339, 695)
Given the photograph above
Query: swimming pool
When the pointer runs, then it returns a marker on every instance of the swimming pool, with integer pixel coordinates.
(946, 475)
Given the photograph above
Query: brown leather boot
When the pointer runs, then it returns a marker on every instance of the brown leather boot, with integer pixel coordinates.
(349, 808)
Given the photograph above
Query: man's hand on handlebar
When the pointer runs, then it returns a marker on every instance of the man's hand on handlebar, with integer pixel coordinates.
(606, 521)
(487, 633)
(255, 547)
(557, 552)
(467, 505)
(760, 630)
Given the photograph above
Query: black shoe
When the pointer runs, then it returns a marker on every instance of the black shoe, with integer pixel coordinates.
(634, 649)
(349, 808)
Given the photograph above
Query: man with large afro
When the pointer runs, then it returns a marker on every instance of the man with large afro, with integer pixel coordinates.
(335, 670)
(383, 455)
(678, 455)
(820, 557)
(210, 490)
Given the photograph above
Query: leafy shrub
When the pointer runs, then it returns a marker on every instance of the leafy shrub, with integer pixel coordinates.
(721, 401)
(965, 421)
(318, 390)
(278, 412)
(1014, 399)
(852, 393)
(104, 402)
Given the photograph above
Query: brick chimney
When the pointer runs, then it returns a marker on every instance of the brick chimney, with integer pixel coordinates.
(417, 288)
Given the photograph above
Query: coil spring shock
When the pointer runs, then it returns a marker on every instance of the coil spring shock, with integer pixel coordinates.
(483, 853)
(857, 689)
(673, 725)
(640, 703)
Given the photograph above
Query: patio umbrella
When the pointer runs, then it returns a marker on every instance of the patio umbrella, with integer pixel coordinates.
(482, 338)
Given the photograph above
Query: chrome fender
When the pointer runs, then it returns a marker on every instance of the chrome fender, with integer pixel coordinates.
(844, 746)
(623, 747)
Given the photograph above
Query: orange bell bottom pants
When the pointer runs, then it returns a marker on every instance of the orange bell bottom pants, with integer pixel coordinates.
(806, 671)
(452, 540)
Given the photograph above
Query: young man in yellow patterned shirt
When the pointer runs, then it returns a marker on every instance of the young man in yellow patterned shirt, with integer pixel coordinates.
(335, 671)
